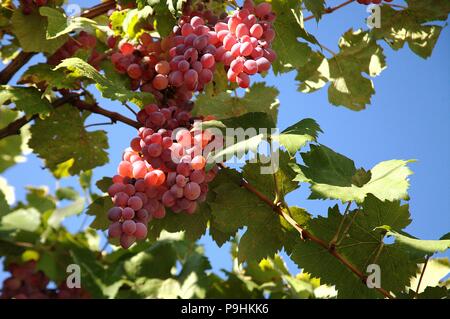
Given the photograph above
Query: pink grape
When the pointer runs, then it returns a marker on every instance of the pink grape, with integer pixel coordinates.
(135, 202)
(128, 213)
(114, 214)
(115, 230)
(129, 227)
(192, 191)
(126, 241)
(141, 231)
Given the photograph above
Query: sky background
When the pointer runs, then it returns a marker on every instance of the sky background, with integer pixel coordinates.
(408, 119)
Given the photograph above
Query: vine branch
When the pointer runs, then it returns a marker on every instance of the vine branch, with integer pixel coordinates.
(421, 277)
(306, 235)
(73, 98)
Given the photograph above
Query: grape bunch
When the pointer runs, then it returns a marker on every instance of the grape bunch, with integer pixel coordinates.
(29, 5)
(204, 10)
(245, 42)
(25, 282)
(163, 168)
(83, 41)
(65, 292)
(367, 2)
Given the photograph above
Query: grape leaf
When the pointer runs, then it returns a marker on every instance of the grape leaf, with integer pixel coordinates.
(59, 24)
(104, 183)
(412, 26)
(50, 136)
(359, 53)
(330, 175)
(155, 262)
(39, 198)
(437, 269)
(30, 30)
(316, 7)
(27, 99)
(415, 245)
(194, 226)
(43, 74)
(288, 26)
(24, 219)
(66, 193)
(361, 246)
(12, 147)
(261, 174)
(258, 98)
(106, 85)
(296, 136)
(60, 213)
(234, 207)
(99, 208)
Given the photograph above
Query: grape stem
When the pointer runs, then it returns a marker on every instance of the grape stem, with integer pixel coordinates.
(23, 57)
(421, 277)
(306, 235)
(330, 9)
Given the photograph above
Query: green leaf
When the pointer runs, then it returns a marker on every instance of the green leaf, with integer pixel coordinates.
(66, 193)
(27, 99)
(24, 219)
(106, 85)
(43, 74)
(263, 180)
(317, 7)
(194, 226)
(50, 141)
(134, 21)
(7, 196)
(104, 183)
(331, 175)
(60, 213)
(39, 198)
(234, 207)
(156, 262)
(360, 246)
(412, 26)
(414, 245)
(289, 27)
(12, 147)
(359, 53)
(59, 24)
(30, 30)
(296, 136)
(258, 98)
(99, 208)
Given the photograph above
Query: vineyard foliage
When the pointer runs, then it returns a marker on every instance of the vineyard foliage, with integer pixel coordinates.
(191, 65)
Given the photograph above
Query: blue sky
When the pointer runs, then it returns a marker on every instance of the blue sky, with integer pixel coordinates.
(408, 119)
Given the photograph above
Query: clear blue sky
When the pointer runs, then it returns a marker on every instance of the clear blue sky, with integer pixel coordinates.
(408, 119)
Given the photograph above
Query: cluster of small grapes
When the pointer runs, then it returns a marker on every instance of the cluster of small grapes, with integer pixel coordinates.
(202, 9)
(26, 282)
(163, 168)
(65, 292)
(245, 42)
(29, 5)
(83, 41)
(367, 2)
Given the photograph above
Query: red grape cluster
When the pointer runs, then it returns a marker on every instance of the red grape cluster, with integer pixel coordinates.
(202, 9)
(29, 5)
(83, 41)
(367, 2)
(164, 167)
(245, 42)
(65, 292)
(26, 282)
